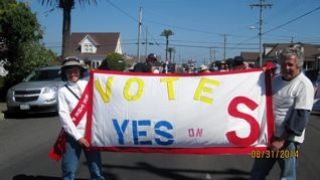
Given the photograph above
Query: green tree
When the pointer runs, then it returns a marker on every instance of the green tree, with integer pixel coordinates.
(5, 3)
(34, 55)
(20, 34)
(113, 61)
(18, 24)
(167, 33)
(66, 6)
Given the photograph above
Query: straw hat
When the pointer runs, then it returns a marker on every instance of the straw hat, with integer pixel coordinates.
(72, 61)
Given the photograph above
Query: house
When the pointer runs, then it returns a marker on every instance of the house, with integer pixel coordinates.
(93, 47)
(251, 57)
(311, 52)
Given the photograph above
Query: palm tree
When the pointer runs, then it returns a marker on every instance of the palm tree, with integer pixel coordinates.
(166, 33)
(66, 6)
(171, 50)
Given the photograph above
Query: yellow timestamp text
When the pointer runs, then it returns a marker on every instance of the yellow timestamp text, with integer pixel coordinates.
(281, 154)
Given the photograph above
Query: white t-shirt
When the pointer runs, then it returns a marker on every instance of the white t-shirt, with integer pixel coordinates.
(289, 95)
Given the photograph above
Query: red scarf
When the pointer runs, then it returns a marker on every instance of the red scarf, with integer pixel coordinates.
(59, 147)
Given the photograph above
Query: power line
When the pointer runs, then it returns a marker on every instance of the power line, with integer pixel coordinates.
(130, 16)
(295, 19)
(123, 11)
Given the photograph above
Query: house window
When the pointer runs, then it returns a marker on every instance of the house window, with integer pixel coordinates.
(88, 48)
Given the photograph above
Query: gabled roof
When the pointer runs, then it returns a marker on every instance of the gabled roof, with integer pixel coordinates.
(311, 51)
(90, 39)
(106, 42)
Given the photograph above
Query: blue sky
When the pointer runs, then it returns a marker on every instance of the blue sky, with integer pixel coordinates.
(197, 24)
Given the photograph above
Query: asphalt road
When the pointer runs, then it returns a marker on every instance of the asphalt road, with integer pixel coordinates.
(25, 142)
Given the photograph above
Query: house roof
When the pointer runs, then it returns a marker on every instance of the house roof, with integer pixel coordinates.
(250, 56)
(311, 51)
(106, 42)
(90, 38)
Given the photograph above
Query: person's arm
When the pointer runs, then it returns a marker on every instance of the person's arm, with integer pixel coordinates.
(65, 118)
(297, 121)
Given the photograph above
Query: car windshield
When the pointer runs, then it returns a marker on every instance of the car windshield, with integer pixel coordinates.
(44, 75)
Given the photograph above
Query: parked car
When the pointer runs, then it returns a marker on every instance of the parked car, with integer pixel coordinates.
(37, 92)
(314, 76)
(316, 104)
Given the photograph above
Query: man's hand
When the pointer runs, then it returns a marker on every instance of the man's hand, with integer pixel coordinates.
(83, 142)
(277, 144)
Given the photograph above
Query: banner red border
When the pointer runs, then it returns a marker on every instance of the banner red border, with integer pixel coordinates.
(203, 150)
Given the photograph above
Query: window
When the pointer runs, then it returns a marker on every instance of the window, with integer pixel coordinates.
(88, 48)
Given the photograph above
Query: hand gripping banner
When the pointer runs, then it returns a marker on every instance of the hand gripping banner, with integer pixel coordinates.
(218, 113)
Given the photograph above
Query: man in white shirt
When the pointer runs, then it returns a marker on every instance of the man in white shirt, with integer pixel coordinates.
(68, 97)
(292, 102)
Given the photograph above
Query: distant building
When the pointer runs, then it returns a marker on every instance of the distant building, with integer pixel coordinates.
(271, 50)
(251, 57)
(311, 52)
(93, 47)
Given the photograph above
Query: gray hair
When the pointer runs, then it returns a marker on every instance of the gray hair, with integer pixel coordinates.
(293, 50)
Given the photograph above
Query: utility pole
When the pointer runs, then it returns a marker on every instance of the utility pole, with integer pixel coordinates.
(224, 46)
(262, 5)
(146, 42)
(139, 32)
(212, 54)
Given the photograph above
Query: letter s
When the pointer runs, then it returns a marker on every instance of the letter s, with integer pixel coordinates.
(254, 126)
(164, 134)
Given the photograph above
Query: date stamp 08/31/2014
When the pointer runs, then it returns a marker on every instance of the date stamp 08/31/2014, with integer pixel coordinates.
(281, 154)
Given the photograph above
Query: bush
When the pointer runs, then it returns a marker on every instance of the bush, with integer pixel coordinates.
(113, 61)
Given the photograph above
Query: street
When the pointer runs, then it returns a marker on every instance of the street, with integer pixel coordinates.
(25, 142)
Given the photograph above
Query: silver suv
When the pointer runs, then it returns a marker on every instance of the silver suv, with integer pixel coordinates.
(37, 92)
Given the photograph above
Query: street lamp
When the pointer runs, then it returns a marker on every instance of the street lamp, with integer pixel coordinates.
(260, 43)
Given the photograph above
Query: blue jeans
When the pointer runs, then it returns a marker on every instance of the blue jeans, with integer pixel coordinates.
(288, 166)
(71, 158)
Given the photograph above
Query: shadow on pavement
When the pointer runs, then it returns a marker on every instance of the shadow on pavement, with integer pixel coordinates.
(31, 177)
(176, 173)
(27, 115)
(316, 113)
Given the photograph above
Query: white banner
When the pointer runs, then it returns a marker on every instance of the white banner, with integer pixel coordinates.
(212, 113)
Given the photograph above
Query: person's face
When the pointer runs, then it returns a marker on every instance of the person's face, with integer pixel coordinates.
(151, 61)
(290, 68)
(73, 74)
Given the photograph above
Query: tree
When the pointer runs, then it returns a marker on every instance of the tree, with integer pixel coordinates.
(20, 35)
(171, 50)
(166, 33)
(66, 6)
(113, 61)
(33, 55)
